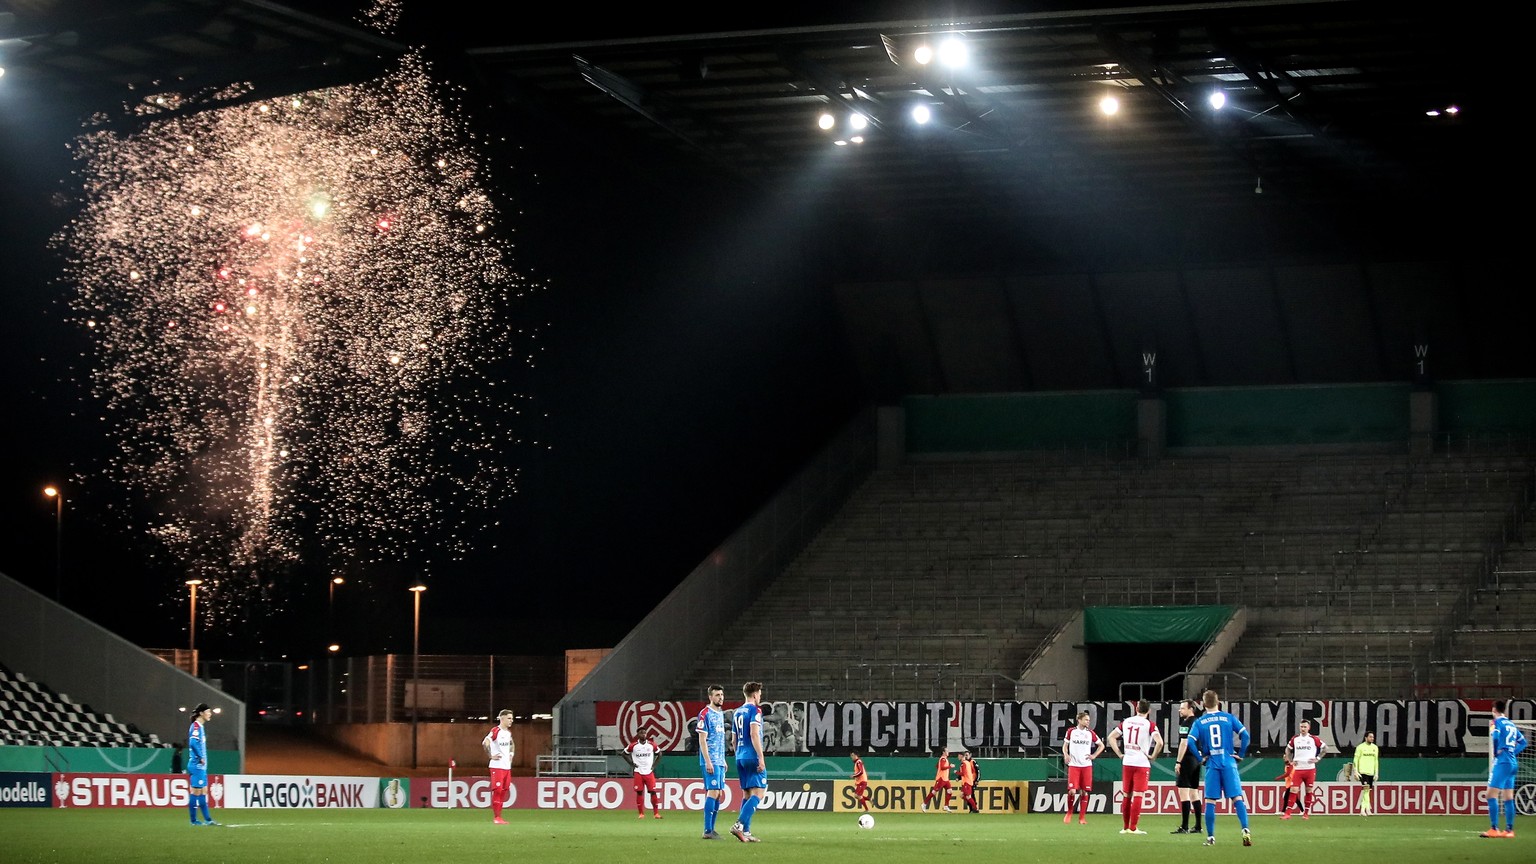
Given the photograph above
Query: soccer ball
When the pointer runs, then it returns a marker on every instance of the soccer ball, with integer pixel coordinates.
(866, 821)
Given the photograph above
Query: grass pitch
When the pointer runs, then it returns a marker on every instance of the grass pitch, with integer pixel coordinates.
(536, 836)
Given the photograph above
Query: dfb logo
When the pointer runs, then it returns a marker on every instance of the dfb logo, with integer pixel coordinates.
(1525, 799)
(665, 718)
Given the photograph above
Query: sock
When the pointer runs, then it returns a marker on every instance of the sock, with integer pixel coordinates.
(640, 803)
(1241, 807)
(711, 807)
(655, 802)
(1136, 812)
(1301, 802)
(1365, 799)
(1195, 808)
(1509, 815)
(202, 804)
(192, 808)
(1184, 808)
(748, 807)
(1210, 818)
(1125, 812)
(1083, 812)
(1493, 812)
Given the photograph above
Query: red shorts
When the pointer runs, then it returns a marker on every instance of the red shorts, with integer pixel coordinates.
(941, 784)
(1303, 775)
(646, 782)
(501, 781)
(861, 788)
(1133, 778)
(1080, 779)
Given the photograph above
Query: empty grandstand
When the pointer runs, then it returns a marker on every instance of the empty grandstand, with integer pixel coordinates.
(32, 714)
(941, 579)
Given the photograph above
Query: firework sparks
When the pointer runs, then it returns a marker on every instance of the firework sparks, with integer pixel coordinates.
(295, 306)
(381, 15)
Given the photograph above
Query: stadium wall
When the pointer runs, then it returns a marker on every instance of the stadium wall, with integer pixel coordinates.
(437, 743)
(1353, 415)
(108, 760)
(1062, 660)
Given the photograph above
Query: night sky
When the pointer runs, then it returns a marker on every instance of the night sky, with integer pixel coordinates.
(693, 359)
(692, 363)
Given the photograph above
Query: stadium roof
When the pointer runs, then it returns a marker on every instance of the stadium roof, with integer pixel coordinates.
(1326, 100)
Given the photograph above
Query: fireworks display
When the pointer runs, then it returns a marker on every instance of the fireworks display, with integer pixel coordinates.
(381, 15)
(302, 315)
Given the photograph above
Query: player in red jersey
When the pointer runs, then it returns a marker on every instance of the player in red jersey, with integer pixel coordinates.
(1078, 749)
(1138, 734)
(860, 781)
(1303, 753)
(940, 781)
(499, 748)
(641, 755)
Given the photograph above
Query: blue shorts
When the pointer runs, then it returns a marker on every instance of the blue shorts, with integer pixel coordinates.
(1222, 783)
(197, 778)
(714, 780)
(1501, 776)
(750, 777)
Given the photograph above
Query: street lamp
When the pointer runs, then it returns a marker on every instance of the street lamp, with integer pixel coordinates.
(330, 609)
(330, 682)
(192, 622)
(415, 667)
(57, 495)
(332, 648)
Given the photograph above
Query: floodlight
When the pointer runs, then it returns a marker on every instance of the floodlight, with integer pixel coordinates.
(953, 53)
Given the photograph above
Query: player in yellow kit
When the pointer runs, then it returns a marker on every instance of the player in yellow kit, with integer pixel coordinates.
(1367, 767)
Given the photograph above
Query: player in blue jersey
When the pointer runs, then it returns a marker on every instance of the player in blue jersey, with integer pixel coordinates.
(1506, 741)
(751, 764)
(711, 725)
(1222, 741)
(197, 764)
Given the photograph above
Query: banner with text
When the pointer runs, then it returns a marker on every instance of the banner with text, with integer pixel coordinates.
(1418, 726)
(1343, 799)
(129, 790)
(18, 789)
(593, 793)
(299, 792)
(906, 796)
